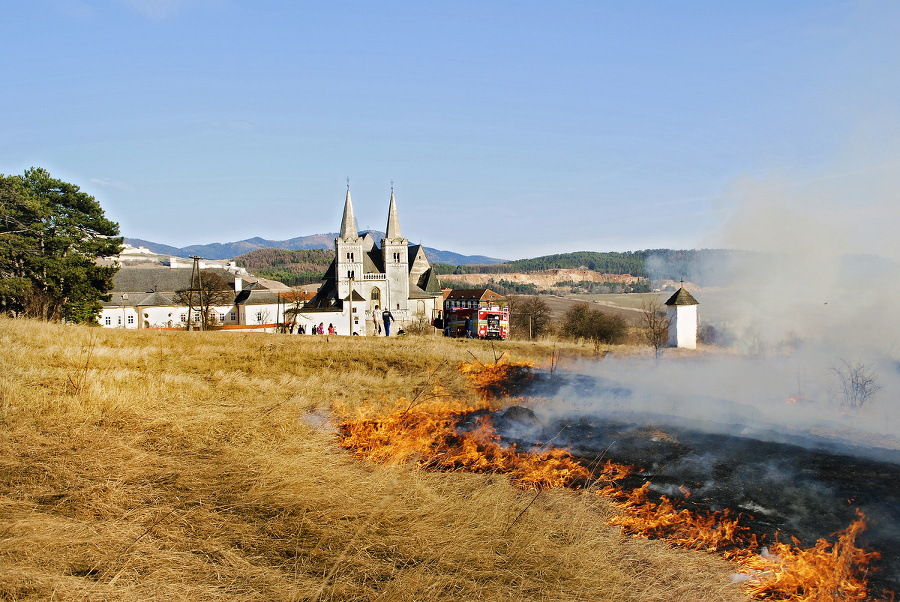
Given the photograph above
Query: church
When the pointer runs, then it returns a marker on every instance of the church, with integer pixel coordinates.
(395, 276)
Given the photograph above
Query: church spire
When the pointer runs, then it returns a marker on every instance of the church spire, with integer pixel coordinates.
(392, 232)
(348, 224)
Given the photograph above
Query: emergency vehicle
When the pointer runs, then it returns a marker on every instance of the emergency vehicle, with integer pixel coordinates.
(487, 311)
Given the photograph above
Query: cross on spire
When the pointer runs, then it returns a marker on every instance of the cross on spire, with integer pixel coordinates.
(348, 182)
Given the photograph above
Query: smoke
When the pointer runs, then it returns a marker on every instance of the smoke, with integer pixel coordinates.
(811, 296)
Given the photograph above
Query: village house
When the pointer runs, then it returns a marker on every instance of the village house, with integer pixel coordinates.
(144, 296)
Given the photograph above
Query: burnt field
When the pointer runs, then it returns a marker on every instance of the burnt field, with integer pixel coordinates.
(796, 486)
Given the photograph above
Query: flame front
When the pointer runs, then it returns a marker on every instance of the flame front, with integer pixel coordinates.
(432, 435)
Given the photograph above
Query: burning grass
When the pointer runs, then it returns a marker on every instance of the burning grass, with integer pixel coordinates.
(442, 436)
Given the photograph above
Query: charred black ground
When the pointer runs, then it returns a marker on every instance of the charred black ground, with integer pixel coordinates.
(807, 491)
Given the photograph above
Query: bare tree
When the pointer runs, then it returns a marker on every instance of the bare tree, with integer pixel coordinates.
(655, 323)
(207, 290)
(857, 382)
(294, 302)
(419, 324)
(529, 316)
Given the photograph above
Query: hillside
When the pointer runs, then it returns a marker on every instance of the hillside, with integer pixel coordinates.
(204, 466)
(316, 241)
(292, 267)
(704, 266)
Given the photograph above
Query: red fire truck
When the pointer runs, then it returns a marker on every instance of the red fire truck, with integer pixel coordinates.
(487, 311)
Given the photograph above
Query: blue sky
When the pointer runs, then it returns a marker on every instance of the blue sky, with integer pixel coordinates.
(509, 129)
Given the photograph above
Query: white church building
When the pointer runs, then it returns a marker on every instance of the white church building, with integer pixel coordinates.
(395, 276)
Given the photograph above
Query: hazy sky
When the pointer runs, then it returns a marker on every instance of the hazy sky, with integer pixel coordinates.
(510, 129)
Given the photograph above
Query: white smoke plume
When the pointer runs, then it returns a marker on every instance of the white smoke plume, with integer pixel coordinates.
(816, 293)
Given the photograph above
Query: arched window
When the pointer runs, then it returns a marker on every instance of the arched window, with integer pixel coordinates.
(376, 295)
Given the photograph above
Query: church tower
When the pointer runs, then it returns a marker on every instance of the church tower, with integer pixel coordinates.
(348, 247)
(395, 251)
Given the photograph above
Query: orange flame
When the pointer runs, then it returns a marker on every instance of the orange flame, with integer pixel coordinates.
(430, 436)
(709, 531)
(826, 572)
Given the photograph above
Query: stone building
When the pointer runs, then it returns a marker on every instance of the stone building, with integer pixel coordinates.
(395, 276)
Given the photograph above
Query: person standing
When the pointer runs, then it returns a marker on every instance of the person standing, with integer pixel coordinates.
(468, 327)
(387, 317)
(376, 319)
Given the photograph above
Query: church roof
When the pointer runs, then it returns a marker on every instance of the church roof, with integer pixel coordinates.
(682, 297)
(416, 292)
(349, 230)
(330, 272)
(432, 285)
(373, 262)
(392, 231)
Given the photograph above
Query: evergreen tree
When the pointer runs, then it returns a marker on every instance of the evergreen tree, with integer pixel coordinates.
(51, 236)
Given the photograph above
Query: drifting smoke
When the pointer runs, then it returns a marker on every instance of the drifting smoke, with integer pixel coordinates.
(813, 294)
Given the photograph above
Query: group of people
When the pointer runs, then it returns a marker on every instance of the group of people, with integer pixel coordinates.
(320, 329)
(378, 317)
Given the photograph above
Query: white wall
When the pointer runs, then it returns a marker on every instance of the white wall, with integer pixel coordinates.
(682, 326)
(118, 317)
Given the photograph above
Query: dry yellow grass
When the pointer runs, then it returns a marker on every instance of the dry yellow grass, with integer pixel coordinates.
(201, 466)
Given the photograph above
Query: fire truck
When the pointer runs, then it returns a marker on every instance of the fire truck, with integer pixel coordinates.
(488, 312)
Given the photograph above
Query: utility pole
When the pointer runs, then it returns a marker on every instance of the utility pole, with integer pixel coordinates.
(195, 270)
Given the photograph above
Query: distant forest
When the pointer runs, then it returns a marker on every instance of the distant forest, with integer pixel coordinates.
(698, 266)
(292, 267)
(702, 267)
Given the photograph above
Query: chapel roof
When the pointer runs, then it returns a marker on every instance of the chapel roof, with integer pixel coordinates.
(682, 297)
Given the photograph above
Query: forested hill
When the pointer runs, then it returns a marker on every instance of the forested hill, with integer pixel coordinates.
(698, 266)
(703, 267)
(290, 266)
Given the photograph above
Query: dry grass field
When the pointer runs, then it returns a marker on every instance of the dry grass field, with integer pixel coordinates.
(204, 466)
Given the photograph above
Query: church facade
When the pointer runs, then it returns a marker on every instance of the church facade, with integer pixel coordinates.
(370, 279)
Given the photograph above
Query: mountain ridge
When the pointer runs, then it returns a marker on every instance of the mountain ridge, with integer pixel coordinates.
(218, 251)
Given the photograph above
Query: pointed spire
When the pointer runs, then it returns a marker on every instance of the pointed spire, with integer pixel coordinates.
(348, 224)
(392, 231)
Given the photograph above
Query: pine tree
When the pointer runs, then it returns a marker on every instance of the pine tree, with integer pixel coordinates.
(51, 236)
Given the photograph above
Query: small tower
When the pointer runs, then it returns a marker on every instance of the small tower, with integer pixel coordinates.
(396, 261)
(348, 248)
(681, 309)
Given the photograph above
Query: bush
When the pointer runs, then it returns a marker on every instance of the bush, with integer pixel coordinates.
(582, 322)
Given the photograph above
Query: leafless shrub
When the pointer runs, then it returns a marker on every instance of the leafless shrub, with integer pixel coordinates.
(418, 324)
(857, 383)
(655, 323)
